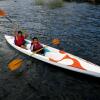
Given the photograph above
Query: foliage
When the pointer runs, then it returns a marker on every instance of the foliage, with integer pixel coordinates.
(50, 3)
(39, 2)
(55, 4)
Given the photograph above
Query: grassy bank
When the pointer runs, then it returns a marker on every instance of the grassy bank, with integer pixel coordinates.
(50, 3)
(55, 4)
(39, 2)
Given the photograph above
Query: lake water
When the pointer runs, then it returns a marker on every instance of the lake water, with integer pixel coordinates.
(76, 25)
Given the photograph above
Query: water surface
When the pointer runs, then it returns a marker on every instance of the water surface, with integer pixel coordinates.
(78, 28)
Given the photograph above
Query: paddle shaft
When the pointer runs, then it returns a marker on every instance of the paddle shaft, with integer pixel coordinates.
(8, 18)
(39, 50)
(4, 14)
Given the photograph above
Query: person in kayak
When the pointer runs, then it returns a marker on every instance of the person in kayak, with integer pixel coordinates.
(36, 46)
(20, 39)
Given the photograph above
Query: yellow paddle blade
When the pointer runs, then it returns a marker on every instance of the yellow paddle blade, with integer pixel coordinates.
(2, 12)
(56, 41)
(15, 64)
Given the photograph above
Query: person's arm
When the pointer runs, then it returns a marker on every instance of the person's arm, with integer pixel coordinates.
(31, 47)
(15, 35)
(41, 45)
(25, 35)
(16, 38)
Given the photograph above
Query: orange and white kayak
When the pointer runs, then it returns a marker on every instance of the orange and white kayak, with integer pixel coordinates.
(59, 58)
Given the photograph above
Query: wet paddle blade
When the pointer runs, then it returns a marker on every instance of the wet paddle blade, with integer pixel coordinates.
(15, 64)
(56, 41)
(2, 12)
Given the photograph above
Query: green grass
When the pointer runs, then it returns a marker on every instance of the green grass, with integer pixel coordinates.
(39, 2)
(51, 4)
(55, 4)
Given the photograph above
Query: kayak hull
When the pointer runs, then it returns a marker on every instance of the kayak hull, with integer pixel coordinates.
(59, 58)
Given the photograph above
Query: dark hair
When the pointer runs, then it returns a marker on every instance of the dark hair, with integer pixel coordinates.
(34, 38)
(19, 32)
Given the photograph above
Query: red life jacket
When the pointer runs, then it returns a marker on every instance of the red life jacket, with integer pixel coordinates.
(20, 40)
(36, 46)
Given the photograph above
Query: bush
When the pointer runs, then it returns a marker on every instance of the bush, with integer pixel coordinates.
(55, 4)
(50, 3)
(39, 2)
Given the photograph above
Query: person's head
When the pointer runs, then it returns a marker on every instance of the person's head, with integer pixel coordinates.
(35, 40)
(19, 33)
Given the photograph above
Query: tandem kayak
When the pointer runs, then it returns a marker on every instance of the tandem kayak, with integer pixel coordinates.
(59, 58)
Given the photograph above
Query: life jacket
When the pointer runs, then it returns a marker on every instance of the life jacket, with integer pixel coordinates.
(20, 40)
(36, 46)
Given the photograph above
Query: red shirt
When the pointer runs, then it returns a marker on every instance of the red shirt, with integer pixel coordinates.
(19, 40)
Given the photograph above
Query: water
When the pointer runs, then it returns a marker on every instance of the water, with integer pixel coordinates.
(78, 28)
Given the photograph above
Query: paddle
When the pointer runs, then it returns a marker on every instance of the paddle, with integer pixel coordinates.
(4, 14)
(56, 41)
(16, 63)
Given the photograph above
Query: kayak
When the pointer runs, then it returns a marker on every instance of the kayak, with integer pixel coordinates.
(59, 58)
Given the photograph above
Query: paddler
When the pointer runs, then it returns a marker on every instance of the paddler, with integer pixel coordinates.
(36, 46)
(20, 39)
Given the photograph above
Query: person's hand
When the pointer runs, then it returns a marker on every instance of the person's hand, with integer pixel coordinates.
(15, 33)
(25, 35)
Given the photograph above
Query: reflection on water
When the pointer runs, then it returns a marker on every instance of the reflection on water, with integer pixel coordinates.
(78, 28)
